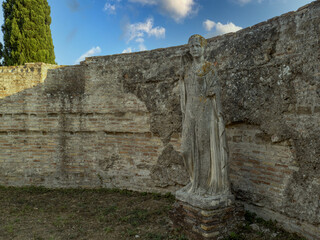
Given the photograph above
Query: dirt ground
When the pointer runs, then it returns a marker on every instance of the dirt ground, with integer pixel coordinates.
(39, 213)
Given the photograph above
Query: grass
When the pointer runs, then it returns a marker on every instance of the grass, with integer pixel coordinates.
(41, 213)
(54, 214)
(264, 230)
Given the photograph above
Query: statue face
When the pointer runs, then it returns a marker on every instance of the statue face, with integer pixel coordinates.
(196, 50)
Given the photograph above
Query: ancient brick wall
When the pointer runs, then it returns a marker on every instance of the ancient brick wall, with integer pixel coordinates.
(115, 121)
(81, 129)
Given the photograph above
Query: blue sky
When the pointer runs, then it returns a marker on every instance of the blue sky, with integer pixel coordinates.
(83, 28)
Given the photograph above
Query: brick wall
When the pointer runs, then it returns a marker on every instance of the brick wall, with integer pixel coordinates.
(55, 135)
(259, 164)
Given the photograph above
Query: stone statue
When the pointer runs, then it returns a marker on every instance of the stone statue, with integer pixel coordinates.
(204, 145)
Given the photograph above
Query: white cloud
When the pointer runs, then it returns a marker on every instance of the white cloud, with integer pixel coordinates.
(91, 52)
(142, 47)
(127, 50)
(139, 30)
(110, 8)
(208, 24)
(140, 40)
(226, 28)
(176, 9)
(219, 28)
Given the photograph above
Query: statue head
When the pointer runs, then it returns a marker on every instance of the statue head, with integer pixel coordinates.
(197, 44)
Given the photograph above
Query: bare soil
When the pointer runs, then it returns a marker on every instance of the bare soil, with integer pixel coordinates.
(40, 213)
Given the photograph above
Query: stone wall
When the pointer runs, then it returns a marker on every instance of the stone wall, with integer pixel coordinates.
(17, 78)
(81, 129)
(115, 121)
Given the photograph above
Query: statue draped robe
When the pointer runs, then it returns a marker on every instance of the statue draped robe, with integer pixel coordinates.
(204, 145)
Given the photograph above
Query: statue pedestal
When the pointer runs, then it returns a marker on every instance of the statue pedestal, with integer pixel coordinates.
(202, 223)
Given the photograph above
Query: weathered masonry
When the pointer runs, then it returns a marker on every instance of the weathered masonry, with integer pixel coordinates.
(115, 121)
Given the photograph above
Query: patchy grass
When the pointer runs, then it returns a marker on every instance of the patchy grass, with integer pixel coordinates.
(40, 213)
(255, 228)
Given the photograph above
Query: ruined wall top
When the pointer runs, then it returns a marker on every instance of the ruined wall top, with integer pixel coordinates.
(14, 79)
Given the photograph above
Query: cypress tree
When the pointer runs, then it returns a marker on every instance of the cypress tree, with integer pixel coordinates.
(26, 32)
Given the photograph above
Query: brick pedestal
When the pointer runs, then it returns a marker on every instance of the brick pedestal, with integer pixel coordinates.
(202, 224)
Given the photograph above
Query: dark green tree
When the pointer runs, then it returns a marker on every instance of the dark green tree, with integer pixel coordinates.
(26, 32)
(1, 53)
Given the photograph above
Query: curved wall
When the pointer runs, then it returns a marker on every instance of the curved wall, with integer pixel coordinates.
(115, 121)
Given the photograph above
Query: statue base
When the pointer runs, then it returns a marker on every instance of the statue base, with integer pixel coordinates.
(204, 224)
(209, 202)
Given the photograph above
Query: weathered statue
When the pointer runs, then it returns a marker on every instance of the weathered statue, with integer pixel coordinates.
(204, 146)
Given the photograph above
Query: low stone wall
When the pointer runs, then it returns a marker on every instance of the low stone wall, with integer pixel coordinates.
(115, 121)
(17, 78)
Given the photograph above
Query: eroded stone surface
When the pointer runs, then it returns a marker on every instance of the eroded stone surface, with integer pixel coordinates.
(169, 169)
